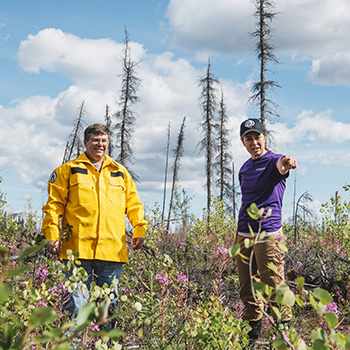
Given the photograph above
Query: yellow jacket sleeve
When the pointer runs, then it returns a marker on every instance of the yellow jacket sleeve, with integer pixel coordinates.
(134, 208)
(54, 208)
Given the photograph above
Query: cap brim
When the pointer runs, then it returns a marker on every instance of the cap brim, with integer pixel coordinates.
(252, 130)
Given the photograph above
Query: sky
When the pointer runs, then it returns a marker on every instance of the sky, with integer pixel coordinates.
(55, 55)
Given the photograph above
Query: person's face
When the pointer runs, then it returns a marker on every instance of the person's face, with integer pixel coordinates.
(255, 144)
(96, 146)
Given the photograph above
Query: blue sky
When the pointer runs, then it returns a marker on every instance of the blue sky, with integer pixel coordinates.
(56, 54)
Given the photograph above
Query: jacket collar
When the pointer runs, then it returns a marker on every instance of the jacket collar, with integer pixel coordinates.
(108, 160)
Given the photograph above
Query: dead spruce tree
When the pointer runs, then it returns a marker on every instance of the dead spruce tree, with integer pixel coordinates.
(223, 159)
(265, 51)
(166, 171)
(178, 154)
(108, 122)
(208, 105)
(125, 117)
(75, 144)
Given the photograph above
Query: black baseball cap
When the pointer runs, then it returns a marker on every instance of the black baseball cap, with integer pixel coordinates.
(252, 124)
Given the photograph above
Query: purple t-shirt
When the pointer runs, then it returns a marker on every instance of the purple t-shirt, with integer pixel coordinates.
(262, 184)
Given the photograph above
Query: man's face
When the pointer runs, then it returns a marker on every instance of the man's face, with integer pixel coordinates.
(96, 146)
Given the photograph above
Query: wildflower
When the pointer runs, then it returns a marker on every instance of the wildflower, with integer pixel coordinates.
(63, 287)
(332, 307)
(126, 290)
(299, 265)
(33, 346)
(278, 238)
(162, 278)
(93, 327)
(182, 278)
(41, 272)
(53, 290)
(41, 304)
(222, 251)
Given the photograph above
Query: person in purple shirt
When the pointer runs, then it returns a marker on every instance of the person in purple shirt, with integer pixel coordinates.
(263, 180)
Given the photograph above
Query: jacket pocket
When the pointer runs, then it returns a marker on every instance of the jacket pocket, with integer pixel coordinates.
(116, 191)
(82, 189)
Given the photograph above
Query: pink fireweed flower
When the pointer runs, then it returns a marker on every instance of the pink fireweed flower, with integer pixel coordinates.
(222, 251)
(41, 304)
(63, 287)
(162, 278)
(53, 290)
(182, 278)
(41, 272)
(278, 238)
(332, 307)
(93, 327)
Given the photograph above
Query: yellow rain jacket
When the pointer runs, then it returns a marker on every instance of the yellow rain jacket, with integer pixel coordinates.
(91, 207)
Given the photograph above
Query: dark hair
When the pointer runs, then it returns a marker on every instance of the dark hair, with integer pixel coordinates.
(96, 129)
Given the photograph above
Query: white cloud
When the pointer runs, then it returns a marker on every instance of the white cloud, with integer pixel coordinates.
(333, 70)
(312, 129)
(169, 91)
(86, 61)
(311, 29)
(211, 26)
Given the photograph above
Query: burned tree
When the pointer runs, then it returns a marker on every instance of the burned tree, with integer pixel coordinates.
(178, 154)
(75, 144)
(125, 117)
(208, 105)
(108, 122)
(224, 158)
(265, 51)
(166, 171)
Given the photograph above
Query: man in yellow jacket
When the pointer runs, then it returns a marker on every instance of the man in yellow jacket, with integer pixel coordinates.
(85, 212)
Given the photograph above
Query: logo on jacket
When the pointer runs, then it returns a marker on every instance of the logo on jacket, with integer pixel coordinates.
(53, 177)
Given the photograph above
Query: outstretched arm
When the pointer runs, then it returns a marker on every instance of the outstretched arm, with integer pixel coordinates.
(286, 163)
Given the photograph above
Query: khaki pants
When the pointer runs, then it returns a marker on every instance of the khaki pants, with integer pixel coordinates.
(265, 252)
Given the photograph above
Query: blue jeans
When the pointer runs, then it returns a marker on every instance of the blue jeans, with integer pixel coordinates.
(99, 271)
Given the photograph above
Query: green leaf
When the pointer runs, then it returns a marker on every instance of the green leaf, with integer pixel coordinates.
(268, 214)
(259, 287)
(18, 270)
(43, 315)
(272, 267)
(64, 346)
(299, 301)
(331, 319)
(320, 345)
(319, 334)
(248, 243)
(254, 212)
(85, 316)
(321, 308)
(277, 312)
(289, 298)
(347, 338)
(300, 283)
(262, 235)
(9, 332)
(32, 250)
(313, 302)
(324, 297)
(341, 338)
(234, 250)
(280, 344)
(4, 292)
